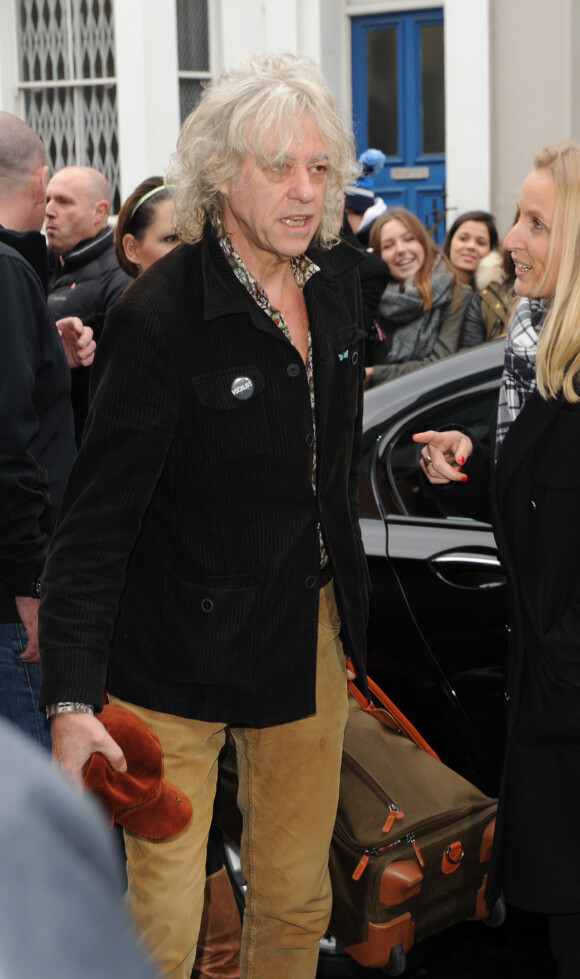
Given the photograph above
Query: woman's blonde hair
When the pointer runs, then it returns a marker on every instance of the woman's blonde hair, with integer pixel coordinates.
(558, 358)
(422, 278)
(256, 109)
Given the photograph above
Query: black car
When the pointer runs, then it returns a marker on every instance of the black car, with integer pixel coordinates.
(437, 638)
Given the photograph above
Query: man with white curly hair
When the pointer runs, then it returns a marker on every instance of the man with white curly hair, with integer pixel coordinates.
(208, 568)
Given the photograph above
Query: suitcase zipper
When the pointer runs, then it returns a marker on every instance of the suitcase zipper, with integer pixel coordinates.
(374, 851)
(359, 870)
(427, 825)
(394, 813)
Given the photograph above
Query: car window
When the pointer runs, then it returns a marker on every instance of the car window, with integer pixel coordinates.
(399, 480)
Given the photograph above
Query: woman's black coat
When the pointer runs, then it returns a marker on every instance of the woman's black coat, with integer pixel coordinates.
(534, 502)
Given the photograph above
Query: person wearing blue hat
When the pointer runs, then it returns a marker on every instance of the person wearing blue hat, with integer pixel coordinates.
(361, 207)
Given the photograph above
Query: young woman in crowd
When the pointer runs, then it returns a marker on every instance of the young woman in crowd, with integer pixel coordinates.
(469, 239)
(527, 481)
(472, 246)
(145, 229)
(489, 311)
(422, 309)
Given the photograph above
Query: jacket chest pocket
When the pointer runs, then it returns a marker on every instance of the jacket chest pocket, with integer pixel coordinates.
(232, 416)
(349, 358)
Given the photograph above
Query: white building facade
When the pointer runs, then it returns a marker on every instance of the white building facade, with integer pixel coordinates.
(481, 83)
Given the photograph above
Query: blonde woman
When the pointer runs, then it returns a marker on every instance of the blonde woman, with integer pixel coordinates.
(533, 466)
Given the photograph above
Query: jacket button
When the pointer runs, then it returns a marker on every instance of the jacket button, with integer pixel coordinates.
(532, 505)
(293, 370)
(355, 357)
(309, 440)
(207, 605)
(310, 581)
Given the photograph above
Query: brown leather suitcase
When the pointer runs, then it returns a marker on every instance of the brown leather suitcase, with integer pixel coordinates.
(412, 839)
(411, 844)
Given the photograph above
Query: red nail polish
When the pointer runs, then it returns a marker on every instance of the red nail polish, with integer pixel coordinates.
(464, 479)
(461, 459)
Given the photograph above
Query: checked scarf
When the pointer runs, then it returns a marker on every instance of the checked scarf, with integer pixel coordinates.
(519, 372)
(412, 329)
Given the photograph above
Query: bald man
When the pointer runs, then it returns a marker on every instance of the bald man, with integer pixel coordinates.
(85, 277)
(36, 424)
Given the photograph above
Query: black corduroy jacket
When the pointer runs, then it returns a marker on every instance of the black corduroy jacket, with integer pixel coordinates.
(184, 575)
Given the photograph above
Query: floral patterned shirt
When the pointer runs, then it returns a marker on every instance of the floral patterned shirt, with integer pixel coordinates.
(303, 269)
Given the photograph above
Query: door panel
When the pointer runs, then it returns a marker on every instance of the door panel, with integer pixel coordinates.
(399, 107)
(437, 634)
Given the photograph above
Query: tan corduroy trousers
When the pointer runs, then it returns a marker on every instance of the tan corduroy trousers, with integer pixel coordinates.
(288, 794)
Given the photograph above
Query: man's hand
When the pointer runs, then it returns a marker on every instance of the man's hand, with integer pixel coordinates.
(75, 736)
(27, 609)
(77, 341)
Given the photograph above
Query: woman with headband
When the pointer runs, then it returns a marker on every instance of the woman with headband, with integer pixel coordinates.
(145, 228)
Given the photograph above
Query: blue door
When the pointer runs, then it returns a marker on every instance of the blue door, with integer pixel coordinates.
(399, 108)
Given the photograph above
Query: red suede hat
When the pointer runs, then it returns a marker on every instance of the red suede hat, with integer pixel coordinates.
(139, 799)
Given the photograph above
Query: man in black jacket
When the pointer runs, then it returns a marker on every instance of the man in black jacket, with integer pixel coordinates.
(36, 425)
(208, 569)
(85, 278)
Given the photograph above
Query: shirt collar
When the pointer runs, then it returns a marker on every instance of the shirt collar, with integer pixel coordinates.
(302, 267)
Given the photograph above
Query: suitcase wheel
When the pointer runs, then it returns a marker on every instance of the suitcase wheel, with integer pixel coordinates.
(397, 962)
(497, 914)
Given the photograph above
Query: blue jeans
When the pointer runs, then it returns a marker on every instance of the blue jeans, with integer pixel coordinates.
(20, 685)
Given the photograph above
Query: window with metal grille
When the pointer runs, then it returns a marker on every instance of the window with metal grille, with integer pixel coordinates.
(193, 52)
(66, 52)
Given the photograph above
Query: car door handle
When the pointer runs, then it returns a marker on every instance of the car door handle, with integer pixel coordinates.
(466, 569)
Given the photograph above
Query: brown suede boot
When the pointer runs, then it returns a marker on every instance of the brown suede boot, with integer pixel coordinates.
(220, 934)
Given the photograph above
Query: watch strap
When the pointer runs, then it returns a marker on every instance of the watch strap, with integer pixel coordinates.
(68, 707)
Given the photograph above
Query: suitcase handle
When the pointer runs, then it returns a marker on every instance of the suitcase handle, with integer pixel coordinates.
(388, 713)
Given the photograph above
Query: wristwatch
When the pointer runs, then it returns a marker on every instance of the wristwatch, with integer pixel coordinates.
(36, 588)
(68, 707)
